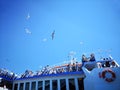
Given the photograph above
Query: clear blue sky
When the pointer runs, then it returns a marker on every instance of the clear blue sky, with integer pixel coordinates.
(81, 26)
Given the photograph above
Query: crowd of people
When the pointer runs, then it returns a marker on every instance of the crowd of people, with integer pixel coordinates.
(47, 70)
(91, 63)
(85, 59)
(5, 73)
(107, 62)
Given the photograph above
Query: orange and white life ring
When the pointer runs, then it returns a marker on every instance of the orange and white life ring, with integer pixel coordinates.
(108, 79)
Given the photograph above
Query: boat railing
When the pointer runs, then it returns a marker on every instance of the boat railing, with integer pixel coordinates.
(107, 63)
(53, 75)
(64, 68)
(7, 75)
(47, 70)
(101, 64)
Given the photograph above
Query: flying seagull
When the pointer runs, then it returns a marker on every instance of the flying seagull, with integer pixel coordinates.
(28, 31)
(28, 16)
(53, 33)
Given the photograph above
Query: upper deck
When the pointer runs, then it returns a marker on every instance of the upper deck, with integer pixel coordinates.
(103, 74)
(64, 76)
(76, 72)
(47, 71)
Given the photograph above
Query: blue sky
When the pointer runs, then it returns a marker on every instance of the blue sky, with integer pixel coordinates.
(81, 26)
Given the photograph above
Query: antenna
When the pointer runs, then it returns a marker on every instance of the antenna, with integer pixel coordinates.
(71, 54)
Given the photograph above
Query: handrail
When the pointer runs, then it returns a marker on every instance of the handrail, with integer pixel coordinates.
(52, 75)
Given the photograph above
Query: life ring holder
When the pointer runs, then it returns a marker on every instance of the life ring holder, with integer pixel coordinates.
(112, 78)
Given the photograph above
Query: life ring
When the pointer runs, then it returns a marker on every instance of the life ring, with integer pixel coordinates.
(112, 78)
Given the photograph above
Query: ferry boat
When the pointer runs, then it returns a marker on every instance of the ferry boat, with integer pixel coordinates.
(91, 75)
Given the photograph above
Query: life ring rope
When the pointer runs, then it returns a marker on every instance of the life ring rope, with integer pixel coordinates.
(112, 78)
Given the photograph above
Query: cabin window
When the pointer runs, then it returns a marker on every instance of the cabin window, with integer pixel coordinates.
(47, 85)
(27, 86)
(54, 85)
(40, 85)
(72, 84)
(33, 87)
(16, 86)
(62, 84)
(21, 86)
(80, 84)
